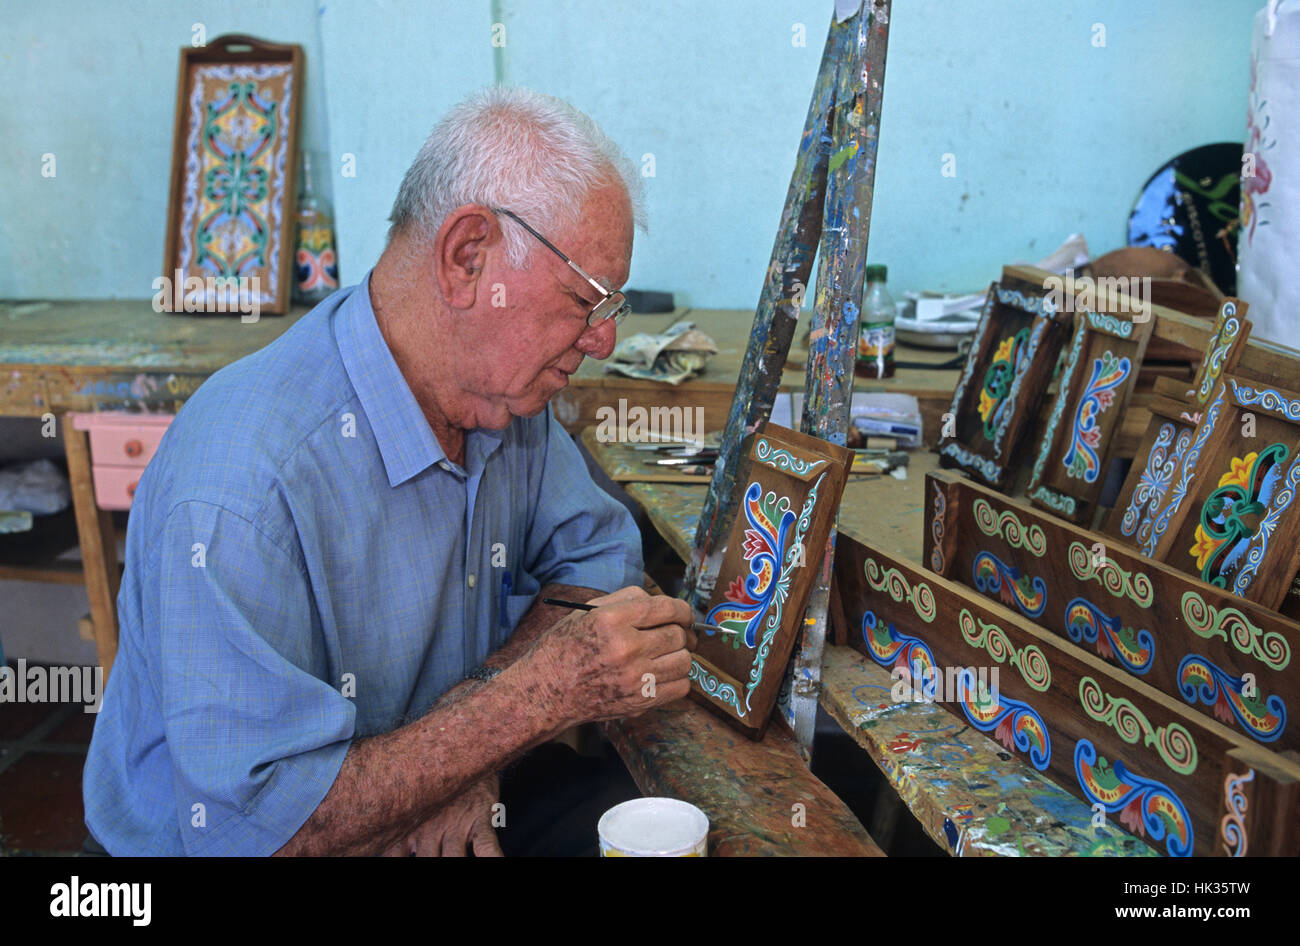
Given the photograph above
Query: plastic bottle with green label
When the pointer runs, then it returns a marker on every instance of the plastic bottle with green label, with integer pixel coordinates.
(876, 331)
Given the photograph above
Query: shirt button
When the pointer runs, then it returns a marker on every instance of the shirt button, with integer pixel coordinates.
(471, 581)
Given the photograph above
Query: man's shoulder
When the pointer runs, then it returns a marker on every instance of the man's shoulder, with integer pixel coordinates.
(231, 440)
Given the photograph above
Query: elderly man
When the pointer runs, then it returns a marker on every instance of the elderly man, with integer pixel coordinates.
(331, 630)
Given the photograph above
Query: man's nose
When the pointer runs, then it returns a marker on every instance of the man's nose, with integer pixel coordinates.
(598, 340)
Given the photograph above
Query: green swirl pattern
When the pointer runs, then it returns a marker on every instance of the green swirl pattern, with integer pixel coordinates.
(1029, 660)
(1268, 647)
(1173, 742)
(1121, 583)
(783, 460)
(892, 582)
(723, 692)
(1008, 526)
(1108, 323)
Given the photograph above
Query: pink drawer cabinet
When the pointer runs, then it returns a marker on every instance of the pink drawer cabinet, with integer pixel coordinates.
(121, 446)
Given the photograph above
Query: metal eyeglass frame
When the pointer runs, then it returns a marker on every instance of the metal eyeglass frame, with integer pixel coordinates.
(612, 305)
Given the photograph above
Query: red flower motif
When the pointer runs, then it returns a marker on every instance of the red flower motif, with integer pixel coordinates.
(755, 544)
(1131, 818)
(736, 592)
(1103, 646)
(1221, 708)
(1105, 399)
(1005, 733)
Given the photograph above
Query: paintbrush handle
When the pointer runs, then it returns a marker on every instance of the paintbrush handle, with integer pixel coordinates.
(698, 627)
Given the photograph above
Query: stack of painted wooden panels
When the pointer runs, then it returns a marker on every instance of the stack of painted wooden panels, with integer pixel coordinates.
(1145, 668)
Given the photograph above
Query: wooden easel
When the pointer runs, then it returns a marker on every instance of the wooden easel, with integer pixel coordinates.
(828, 204)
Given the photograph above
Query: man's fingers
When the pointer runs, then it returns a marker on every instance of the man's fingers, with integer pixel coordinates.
(630, 593)
(666, 639)
(670, 667)
(485, 841)
(653, 611)
(454, 844)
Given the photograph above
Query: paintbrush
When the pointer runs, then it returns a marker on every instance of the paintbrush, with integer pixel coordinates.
(699, 627)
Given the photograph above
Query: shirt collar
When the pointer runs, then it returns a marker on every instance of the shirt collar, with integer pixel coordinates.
(406, 441)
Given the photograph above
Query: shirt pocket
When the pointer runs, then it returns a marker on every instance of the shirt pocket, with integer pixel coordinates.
(515, 595)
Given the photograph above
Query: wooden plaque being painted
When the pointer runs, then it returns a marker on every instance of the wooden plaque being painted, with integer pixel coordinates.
(234, 174)
(774, 551)
(1010, 363)
(1100, 371)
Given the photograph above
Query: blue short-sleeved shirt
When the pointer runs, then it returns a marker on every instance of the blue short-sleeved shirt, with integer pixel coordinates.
(304, 567)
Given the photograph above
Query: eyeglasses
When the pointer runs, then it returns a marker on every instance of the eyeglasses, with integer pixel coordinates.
(612, 305)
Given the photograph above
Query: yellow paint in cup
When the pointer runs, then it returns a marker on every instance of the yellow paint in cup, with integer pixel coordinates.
(653, 827)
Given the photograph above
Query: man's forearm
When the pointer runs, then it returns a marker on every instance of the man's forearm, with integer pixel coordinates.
(388, 785)
(536, 621)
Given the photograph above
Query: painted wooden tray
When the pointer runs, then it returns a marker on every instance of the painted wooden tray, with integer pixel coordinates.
(791, 491)
(1011, 360)
(1100, 371)
(1175, 415)
(1230, 517)
(234, 183)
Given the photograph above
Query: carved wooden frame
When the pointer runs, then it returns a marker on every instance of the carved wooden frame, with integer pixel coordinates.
(781, 534)
(1023, 367)
(1071, 464)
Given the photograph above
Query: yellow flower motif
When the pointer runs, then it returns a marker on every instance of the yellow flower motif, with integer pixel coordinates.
(1204, 547)
(1004, 350)
(986, 405)
(1239, 472)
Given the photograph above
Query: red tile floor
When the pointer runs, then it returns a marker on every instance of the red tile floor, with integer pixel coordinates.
(42, 752)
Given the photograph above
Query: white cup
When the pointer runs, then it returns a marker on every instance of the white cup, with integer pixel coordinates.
(653, 827)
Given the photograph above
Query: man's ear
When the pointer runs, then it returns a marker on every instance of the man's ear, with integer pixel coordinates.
(460, 253)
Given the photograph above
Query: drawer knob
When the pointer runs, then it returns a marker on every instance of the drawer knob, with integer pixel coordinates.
(130, 488)
(133, 448)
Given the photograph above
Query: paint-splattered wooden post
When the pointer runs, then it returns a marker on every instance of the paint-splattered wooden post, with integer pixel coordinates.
(774, 324)
(828, 386)
(838, 147)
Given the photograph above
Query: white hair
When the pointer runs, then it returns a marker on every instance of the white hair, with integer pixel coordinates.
(518, 150)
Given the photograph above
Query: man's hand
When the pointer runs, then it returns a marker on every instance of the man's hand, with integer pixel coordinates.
(631, 653)
(462, 824)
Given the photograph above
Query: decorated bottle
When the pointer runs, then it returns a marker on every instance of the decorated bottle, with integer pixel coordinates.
(876, 331)
(315, 259)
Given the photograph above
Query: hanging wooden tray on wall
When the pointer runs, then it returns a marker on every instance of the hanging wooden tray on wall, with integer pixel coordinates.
(234, 188)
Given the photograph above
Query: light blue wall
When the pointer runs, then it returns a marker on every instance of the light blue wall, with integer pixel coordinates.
(1049, 133)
